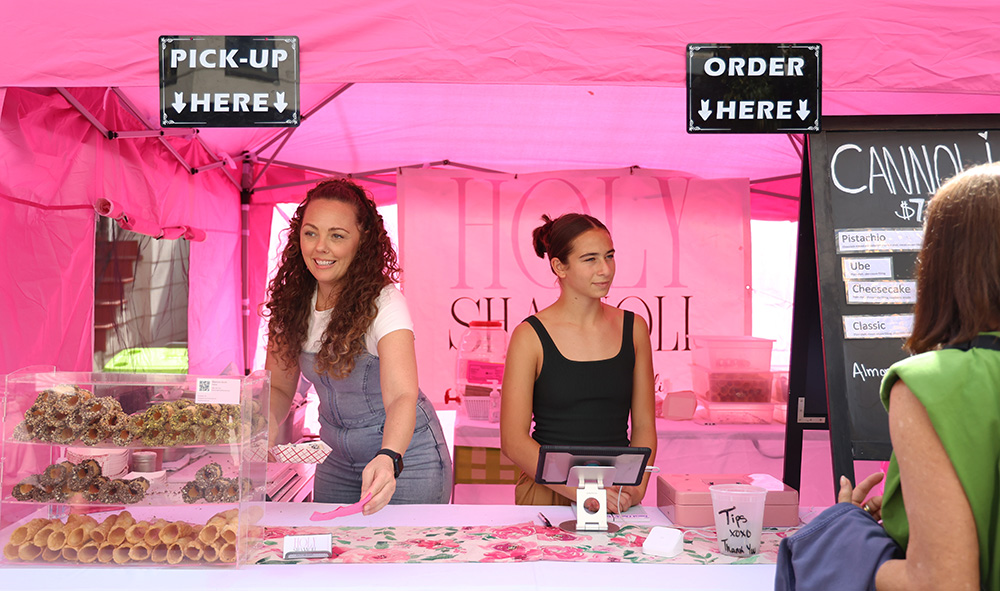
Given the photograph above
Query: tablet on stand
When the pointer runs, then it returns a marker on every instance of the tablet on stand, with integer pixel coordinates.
(590, 469)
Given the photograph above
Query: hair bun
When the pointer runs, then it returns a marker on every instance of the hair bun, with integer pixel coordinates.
(540, 236)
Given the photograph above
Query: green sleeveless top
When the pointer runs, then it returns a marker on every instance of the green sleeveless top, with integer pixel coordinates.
(961, 392)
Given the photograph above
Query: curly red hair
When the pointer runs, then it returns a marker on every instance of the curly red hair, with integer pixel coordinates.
(289, 295)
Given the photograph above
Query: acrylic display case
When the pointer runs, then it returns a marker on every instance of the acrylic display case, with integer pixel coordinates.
(132, 469)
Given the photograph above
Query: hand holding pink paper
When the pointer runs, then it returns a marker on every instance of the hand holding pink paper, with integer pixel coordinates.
(341, 511)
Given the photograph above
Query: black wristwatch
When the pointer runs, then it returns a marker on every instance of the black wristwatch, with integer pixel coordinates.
(397, 460)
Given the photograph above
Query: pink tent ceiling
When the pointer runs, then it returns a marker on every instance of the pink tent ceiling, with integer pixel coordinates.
(516, 86)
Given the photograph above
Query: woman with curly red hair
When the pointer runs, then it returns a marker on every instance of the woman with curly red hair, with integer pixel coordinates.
(337, 318)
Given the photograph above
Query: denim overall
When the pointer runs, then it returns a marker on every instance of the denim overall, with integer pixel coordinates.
(352, 417)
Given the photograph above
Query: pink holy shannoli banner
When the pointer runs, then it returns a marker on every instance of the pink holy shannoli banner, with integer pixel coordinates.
(682, 250)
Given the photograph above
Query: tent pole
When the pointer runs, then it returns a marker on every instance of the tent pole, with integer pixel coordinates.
(246, 193)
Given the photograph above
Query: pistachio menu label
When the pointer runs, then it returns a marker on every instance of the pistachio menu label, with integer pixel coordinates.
(871, 188)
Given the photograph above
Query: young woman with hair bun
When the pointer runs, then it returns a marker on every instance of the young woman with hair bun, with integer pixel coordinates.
(581, 369)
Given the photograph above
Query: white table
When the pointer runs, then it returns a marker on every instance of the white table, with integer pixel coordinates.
(438, 576)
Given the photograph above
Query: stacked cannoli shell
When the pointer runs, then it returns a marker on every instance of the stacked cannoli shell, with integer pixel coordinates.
(209, 484)
(66, 481)
(120, 539)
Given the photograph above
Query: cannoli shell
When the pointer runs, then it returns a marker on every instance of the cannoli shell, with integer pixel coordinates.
(194, 550)
(80, 535)
(106, 553)
(120, 555)
(175, 554)
(69, 554)
(159, 552)
(227, 553)
(174, 531)
(229, 533)
(50, 555)
(27, 532)
(10, 551)
(136, 532)
(87, 553)
(152, 536)
(139, 552)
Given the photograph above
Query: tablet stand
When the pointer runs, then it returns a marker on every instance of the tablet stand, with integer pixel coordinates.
(589, 482)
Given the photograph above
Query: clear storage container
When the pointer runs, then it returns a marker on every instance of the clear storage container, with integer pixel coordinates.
(132, 469)
(479, 369)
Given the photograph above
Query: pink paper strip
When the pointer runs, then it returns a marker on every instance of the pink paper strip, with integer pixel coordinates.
(341, 511)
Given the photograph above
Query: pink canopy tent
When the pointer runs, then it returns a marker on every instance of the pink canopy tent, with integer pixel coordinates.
(514, 86)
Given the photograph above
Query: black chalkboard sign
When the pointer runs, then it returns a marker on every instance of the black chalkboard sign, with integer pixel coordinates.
(871, 178)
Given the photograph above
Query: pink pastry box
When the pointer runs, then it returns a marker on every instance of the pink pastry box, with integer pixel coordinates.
(684, 498)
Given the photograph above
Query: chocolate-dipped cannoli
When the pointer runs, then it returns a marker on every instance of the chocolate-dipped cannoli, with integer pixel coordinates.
(189, 436)
(208, 473)
(191, 492)
(122, 435)
(44, 432)
(111, 491)
(94, 490)
(208, 414)
(169, 438)
(93, 434)
(183, 418)
(137, 424)
(230, 490)
(153, 435)
(93, 409)
(23, 432)
(24, 490)
(64, 434)
(69, 402)
(114, 420)
(214, 491)
(36, 414)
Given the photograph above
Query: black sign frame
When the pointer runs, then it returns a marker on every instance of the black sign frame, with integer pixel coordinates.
(229, 81)
(755, 87)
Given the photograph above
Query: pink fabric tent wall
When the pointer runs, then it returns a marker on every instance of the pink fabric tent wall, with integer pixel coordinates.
(516, 86)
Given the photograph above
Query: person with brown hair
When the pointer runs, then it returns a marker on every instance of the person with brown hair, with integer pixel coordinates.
(941, 506)
(581, 369)
(336, 317)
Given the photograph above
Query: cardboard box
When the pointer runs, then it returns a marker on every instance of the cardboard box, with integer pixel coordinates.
(684, 498)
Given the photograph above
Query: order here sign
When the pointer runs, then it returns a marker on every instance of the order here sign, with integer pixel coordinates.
(229, 81)
(753, 88)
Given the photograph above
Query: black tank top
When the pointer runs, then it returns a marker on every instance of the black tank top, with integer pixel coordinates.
(583, 402)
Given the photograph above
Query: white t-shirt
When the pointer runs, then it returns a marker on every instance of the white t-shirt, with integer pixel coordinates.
(392, 315)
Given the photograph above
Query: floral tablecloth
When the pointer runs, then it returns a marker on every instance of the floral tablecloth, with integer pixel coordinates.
(524, 542)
